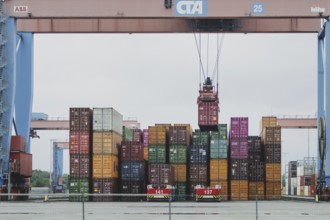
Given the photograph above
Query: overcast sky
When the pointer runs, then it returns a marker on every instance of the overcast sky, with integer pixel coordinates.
(155, 78)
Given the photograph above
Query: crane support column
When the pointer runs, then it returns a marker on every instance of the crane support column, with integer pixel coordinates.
(24, 85)
(7, 90)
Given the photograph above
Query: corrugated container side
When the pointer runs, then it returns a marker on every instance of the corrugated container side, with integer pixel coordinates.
(157, 135)
(198, 154)
(256, 188)
(238, 169)
(145, 153)
(127, 134)
(218, 169)
(160, 175)
(273, 190)
(238, 148)
(256, 171)
(179, 135)
(132, 151)
(80, 165)
(224, 188)
(208, 113)
(178, 154)
(200, 138)
(21, 162)
(105, 186)
(239, 127)
(133, 187)
(239, 189)
(17, 143)
(137, 135)
(271, 135)
(145, 137)
(181, 191)
(272, 153)
(105, 166)
(268, 122)
(107, 119)
(198, 173)
(219, 149)
(157, 153)
(79, 142)
(80, 119)
(106, 142)
(133, 170)
(273, 172)
(179, 172)
(78, 186)
(222, 128)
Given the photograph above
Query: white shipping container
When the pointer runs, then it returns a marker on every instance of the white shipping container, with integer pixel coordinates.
(292, 191)
(107, 119)
(298, 182)
(298, 191)
(306, 189)
(300, 170)
(294, 181)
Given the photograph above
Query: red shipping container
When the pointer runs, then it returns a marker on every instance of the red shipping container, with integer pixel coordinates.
(302, 181)
(137, 135)
(80, 165)
(208, 113)
(198, 172)
(132, 151)
(80, 142)
(21, 163)
(17, 143)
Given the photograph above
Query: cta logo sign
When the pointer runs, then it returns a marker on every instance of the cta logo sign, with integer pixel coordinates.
(190, 7)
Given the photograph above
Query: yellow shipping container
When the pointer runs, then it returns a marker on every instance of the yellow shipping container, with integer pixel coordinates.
(273, 171)
(218, 169)
(180, 172)
(157, 135)
(256, 188)
(224, 188)
(239, 189)
(270, 121)
(105, 166)
(145, 153)
(106, 142)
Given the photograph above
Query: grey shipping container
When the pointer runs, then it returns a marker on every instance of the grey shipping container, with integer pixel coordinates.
(107, 119)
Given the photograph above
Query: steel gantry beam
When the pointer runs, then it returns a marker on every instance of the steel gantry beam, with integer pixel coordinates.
(151, 16)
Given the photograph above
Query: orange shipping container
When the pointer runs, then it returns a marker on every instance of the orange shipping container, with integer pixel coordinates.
(218, 169)
(268, 122)
(145, 153)
(106, 142)
(273, 190)
(239, 189)
(105, 166)
(157, 135)
(273, 172)
(224, 188)
(180, 172)
(256, 188)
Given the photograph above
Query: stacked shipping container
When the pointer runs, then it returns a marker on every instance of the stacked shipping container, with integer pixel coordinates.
(179, 140)
(271, 138)
(80, 148)
(239, 158)
(219, 160)
(107, 137)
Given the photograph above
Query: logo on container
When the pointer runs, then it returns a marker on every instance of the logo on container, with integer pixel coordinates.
(317, 9)
(190, 8)
(21, 9)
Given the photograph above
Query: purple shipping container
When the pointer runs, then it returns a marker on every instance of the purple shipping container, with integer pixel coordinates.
(198, 173)
(238, 169)
(145, 137)
(239, 127)
(132, 151)
(161, 175)
(239, 148)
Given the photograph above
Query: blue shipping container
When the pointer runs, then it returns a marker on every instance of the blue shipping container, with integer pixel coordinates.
(198, 154)
(133, 170)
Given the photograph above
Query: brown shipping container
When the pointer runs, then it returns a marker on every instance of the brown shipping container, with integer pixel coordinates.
(137, 135)
(179, 135)
(180, 172)
(198, 172)
(239, 189)
(106, 142)
(271, 135)
(21, 163)
(105, 166)
(132, 151)
(105, 186)
(273, 190)
(273, 171)
(268, 122)
(224, 188)
(157, 135)
(80, 142)
(218, 169)
(80, 165)
(145, 153)
(256, 188)
(160, 175)
(17, 143)
(80, 119)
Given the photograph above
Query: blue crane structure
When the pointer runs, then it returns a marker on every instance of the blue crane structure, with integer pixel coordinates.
(21, 19)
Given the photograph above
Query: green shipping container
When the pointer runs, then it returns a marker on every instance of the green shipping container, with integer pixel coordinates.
(223, 131)
(219, 149)
(127, 134)
(180, 191)
(79, 186)
(178, 154)
(200, 138)
(156, 153)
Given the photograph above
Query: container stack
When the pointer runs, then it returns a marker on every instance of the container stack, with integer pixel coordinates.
(239, 158)
(219, 160)
(179, 140)
(198, 161)
(145, 141)
(107, 137)
(306, 177)
(80, 149)
(292, 178)
(133, 169)
(271, 139)
(256, 169)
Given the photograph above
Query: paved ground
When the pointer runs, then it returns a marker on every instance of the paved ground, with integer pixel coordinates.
(269, 210)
